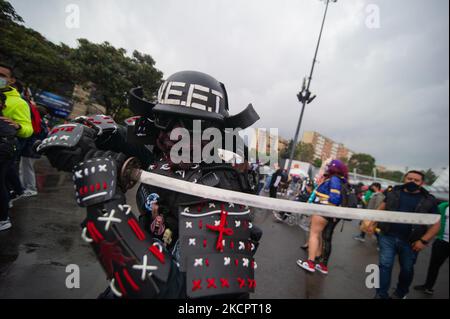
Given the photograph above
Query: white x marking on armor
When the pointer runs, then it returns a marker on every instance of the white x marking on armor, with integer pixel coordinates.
(192, 242)
(64, 138)
(109, 219)
(198, 262)
(188, 225)
(145, 268)
(241, 245)
(238, 223)
(227, 261)
(102, 168)
(127, 207)
(245, 262)
(79, 174)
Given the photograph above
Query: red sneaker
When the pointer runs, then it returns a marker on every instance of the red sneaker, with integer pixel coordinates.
(322, 268)
(307, 265)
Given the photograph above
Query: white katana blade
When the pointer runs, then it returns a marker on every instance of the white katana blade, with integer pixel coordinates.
(282, 205)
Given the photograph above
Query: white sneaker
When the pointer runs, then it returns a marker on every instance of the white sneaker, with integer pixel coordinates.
(30, 193)
(307, 265)
(5, 225)
(17, 198)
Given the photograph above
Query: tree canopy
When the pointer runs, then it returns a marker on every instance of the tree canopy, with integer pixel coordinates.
(303, 152)
(363, 163)
(45, 65)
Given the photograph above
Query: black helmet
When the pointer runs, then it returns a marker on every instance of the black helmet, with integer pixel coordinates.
(195, 95)
(191, 95)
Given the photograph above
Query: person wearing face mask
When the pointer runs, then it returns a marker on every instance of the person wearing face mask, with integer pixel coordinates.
(17, 114)
(404, 240)
(7, 149)
(16, 111)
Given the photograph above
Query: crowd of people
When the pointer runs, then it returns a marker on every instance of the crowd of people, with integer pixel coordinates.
(21, 124)
(403, 240)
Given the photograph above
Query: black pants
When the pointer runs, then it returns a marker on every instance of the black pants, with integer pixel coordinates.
(438, 256)
(273, 192)
(13, 179)
(327, 238)
(4, 192)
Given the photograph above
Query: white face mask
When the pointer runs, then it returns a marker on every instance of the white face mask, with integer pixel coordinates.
(3, 83)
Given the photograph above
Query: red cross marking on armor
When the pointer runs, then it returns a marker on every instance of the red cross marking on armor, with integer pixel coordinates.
(211, 283)
(225, 283)
(197, 285)
(221, 229)
(251, 283)
(241, 282)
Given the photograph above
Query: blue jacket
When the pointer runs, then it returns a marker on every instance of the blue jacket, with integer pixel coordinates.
(329, 192)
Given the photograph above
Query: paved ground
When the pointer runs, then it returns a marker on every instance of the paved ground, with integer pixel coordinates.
(46, 238)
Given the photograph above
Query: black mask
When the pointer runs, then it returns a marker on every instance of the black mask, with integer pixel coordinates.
(411, 187)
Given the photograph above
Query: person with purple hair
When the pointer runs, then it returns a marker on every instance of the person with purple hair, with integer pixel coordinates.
(321, 232)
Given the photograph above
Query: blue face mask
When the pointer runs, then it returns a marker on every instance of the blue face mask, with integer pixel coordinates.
(3, 83)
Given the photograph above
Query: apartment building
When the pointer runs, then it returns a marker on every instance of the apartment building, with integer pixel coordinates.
(325, 148)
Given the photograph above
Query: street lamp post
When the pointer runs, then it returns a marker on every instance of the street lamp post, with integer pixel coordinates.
(304, 96)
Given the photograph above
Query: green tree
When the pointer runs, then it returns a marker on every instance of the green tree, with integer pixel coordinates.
(303, 152)
(318, 163)
(44, 65)
(114, 73)
(37, 61)
(8, 13)
(430, 177)
(363, 163)
(395, 176)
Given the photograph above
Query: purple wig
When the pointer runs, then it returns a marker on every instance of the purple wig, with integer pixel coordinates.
(337, 168)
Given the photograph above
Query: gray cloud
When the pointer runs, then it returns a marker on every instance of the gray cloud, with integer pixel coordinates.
(382, 91)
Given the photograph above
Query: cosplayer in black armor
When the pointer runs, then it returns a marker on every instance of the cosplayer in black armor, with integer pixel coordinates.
(181, 246)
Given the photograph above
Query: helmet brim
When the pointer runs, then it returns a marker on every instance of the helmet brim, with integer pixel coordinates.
(187, 112)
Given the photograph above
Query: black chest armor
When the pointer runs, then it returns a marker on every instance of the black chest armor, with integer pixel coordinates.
(216, 249)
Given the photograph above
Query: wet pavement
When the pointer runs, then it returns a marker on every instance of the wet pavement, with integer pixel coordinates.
(46, 238)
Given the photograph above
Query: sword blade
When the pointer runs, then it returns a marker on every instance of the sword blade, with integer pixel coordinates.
(280, 205)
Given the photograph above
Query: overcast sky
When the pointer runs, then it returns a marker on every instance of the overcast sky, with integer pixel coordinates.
(383, 91)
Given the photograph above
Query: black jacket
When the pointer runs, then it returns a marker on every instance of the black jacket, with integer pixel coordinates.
(426, 206)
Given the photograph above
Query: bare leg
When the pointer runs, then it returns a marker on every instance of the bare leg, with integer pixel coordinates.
(318, 224)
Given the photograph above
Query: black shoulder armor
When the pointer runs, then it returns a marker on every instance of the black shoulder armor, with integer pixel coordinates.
(63, 136)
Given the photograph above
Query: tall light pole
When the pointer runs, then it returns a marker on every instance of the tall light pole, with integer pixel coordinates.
(304, 96)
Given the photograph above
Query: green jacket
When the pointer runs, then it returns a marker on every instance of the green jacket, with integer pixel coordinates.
(443, 209)
(17, 109)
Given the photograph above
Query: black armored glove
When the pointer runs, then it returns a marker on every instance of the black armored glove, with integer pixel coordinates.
(67, 145)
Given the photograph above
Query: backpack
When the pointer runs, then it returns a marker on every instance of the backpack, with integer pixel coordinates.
(349, 197)
(36, 119)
